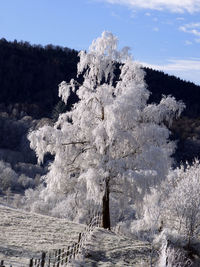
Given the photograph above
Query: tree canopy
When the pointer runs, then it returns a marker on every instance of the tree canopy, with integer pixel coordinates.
(112, 146)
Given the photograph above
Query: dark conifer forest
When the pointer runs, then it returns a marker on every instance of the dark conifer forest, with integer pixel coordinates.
(30, 74)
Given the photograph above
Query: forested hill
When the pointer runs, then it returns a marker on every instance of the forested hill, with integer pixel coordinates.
(160, 83)
(30, 74)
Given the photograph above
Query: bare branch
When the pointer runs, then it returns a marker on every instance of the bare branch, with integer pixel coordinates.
(102, 117)
(76, 143)
(131, 153)
(80, 152)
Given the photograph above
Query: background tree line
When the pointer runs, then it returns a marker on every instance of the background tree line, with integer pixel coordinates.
(30, 74)
(29, 78)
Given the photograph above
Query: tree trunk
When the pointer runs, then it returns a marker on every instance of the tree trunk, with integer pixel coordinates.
(105, 208)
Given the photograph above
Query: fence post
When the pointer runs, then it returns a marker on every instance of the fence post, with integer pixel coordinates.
(49, 259)
(79, 241)
(59, 252)
(54, 264)
(79, 238)
(70, 253)
(63, 256)
(31, 263)
(43, 259)
(99, 219)
(74, 250)
(67, 255)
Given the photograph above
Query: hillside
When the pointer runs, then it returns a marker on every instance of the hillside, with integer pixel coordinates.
(111, 152)
(25, 235)
(29, 78)
(30, 74)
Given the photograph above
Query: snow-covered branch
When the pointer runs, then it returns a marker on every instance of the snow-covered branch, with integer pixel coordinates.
(111, 141)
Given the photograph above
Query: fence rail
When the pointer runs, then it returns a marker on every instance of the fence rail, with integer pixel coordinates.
(61, 257)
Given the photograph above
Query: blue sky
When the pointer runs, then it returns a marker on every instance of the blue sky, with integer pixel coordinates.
(163, 34)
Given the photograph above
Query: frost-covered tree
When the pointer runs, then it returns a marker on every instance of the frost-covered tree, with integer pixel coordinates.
(8, 177)
(12, 180)
(175, 205)
(112, 146)
(183, 204)
(173, 257)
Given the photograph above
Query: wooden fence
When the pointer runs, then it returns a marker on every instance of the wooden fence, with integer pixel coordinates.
(62, 257)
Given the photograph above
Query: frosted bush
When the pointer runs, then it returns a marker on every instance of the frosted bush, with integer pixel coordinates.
(28, 169)
(173, 257)
(175, 204)
(8, 177)
(25, 182)
(18, 201)
(32, 201)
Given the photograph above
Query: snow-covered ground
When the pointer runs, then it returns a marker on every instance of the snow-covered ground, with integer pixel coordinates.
(24, 235)
(107, 249)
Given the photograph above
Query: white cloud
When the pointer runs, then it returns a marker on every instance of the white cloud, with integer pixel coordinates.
(193, 28)
(113, 14)
(197, 40)
(185, 69)
(178, 64)
(188, 42)
(155, 29)
(178, 6)
(180, 18)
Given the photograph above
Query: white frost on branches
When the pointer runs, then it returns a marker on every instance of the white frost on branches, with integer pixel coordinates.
(183, 204)
(175, 205)
(110, 136)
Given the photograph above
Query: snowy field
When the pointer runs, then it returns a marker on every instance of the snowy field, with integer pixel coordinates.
(108, 249)
(24, 235)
